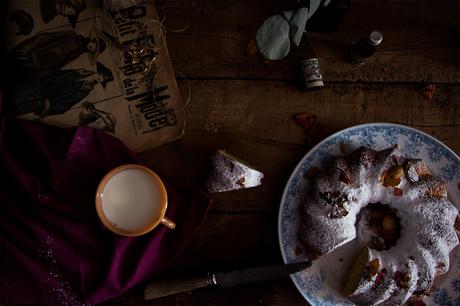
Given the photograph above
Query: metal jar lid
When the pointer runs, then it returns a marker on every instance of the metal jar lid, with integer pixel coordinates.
(375, 38)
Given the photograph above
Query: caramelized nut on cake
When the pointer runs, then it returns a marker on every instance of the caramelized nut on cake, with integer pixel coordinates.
(338, 212)
(392, 176)
(344, 178)
(374, 267)
(402, 279)
(396, 171)
(437, 190)
(414, 169)
(240, 182)
(380, 276)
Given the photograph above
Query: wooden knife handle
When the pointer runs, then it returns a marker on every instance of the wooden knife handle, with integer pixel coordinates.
(158, 289)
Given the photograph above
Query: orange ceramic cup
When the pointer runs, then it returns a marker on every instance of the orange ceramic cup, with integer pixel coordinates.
(131, 200)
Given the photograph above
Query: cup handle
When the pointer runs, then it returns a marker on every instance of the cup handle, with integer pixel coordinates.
(168, 223)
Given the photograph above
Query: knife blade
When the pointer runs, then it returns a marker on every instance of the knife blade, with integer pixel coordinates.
(158, 289)
(251, 275)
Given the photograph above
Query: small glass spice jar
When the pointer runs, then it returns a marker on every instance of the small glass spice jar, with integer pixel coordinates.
(310, 67)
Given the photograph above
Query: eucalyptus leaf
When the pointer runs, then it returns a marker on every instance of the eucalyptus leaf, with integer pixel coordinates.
(314, 5)
(298, 23)
(273, 38)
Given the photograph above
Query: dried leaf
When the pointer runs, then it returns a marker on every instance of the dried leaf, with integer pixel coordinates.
(305, 120)
(428, 91)
(313, 129)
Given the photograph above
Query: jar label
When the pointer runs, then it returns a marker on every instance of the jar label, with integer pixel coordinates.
(312, 73)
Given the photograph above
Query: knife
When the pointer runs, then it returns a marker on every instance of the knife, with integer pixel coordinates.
(158, 289)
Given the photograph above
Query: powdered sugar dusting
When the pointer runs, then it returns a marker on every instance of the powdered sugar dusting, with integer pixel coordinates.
(427, 220)
(229, 174)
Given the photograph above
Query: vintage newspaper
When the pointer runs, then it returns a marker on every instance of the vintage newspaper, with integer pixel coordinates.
(71, 64)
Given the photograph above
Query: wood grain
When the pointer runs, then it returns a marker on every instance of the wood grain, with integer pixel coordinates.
(263, 110)
(421, 41)
(279, 292)
(223, 244)
(253, 120)
(244, 105)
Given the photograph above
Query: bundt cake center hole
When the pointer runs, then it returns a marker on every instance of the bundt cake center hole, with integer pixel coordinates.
(378, 226)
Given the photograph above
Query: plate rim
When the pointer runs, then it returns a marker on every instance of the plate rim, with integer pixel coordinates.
(313, 149)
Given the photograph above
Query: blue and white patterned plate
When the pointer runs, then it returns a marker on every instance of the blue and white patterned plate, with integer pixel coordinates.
(319, 284)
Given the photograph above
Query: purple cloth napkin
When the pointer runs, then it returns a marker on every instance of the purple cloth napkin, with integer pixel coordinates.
(53, 248)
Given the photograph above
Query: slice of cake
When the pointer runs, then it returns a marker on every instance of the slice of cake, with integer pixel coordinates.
(231, 173)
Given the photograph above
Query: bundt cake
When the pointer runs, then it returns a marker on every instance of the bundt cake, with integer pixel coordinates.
(400, 213)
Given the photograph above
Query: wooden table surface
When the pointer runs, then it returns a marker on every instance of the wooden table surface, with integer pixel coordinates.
(245, 105)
